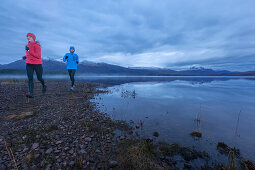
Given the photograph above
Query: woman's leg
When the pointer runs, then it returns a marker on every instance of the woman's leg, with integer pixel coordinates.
(39, 72)
(30, 73)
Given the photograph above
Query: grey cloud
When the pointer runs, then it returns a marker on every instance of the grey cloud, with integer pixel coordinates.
(198, 32)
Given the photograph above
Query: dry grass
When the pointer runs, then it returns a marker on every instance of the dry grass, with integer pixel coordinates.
(11, 156)
(20, 116)
(137, 155)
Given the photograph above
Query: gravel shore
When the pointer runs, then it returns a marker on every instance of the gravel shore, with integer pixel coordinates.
(62, 129)
(57, 130)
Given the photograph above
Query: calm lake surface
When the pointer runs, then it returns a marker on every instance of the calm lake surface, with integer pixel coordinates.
(170, 105)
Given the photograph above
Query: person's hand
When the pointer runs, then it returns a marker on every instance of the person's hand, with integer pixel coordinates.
(27, 48)
(24, 57)
(66, 57)
(77, 62)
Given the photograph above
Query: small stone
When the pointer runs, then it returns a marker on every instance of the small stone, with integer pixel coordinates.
(98, 151)
(122, 137)
(64, 163)
(25, 149)
(71, 151)
(187, 165)
(71, 163)
(113, 163)
(33, 167)
(24, 167)
(36, 155)
(42, 163)
(83, 151)
(87, 139)
(48, 151)
(48, 167)
(56, 151)
(58, 142)
(35, 145)
(59, 160)
(66, 148)
(2, 166)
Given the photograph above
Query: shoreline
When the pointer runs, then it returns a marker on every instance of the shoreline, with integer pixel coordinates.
(64, 130)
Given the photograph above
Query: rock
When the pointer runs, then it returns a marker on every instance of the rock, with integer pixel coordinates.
(42, 163)
(82, 146)
(71, 163)
(66, 148)
(82, 151)
(2, 166)
(59, 142)
(71, 151)
(113, 163)
(48, 167)
(9, 165)
(64, 163)
(33, 167)
(24, 167)
(35, 145)
(187, 165)
(56, 151)
(59, 160)
(36, 155)
(122, 137)
(88, 139)
(98, 151)
(48, 151)
(25, 149)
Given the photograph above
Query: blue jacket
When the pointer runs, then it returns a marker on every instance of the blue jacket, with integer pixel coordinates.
(71, 60)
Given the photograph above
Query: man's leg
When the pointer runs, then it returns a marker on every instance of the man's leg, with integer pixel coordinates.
(72, 75)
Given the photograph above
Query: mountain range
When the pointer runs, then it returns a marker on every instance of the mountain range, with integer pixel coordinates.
(91, 68)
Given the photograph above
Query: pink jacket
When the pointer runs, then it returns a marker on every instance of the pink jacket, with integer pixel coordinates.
(34, 53)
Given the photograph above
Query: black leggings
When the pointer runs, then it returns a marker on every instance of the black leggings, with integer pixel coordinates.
(71, 74)
(30, 72)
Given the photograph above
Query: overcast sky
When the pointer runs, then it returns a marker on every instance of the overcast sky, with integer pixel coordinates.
(176, 34)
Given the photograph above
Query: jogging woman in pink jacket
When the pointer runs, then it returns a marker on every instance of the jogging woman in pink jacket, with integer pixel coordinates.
(33, 63)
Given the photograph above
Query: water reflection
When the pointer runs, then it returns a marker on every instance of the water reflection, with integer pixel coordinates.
(118, 80)
(176, 107)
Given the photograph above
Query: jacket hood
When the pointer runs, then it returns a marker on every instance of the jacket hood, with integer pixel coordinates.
(72, 47)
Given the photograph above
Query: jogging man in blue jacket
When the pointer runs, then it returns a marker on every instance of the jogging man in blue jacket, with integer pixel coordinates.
(72, 61)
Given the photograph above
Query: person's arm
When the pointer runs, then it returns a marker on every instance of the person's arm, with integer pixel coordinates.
(65, 57)
(77, 59)
(35, 51)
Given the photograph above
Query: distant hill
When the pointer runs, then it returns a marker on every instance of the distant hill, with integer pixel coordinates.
(247, 73)
(87, 67)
